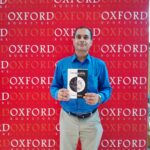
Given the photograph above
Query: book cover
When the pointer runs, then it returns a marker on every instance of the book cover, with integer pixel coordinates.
(77, 82)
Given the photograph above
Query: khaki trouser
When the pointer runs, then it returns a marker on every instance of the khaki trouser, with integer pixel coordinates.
(89, 130)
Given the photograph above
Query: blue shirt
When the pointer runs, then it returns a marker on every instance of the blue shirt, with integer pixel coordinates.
(98, 82)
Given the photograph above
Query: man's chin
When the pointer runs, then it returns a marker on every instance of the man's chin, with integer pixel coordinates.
(81, 52)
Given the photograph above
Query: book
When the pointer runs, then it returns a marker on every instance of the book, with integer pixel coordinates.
(77, 82)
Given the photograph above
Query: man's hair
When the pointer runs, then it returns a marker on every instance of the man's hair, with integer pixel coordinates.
(83, 27)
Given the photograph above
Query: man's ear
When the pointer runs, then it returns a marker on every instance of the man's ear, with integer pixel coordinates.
(91, 43)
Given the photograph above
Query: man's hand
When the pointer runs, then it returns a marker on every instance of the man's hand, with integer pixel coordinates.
(63, 95)
(92, 98)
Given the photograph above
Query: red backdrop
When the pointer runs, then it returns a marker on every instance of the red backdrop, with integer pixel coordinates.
(34, 35)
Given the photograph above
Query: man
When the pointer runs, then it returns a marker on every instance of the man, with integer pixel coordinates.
(79, 118)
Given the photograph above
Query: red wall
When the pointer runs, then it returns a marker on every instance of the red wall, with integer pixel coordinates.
(34, 35)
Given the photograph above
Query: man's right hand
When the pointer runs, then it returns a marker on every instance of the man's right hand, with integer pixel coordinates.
(63, 95)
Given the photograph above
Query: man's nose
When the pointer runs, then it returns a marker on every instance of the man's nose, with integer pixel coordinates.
(82, 39)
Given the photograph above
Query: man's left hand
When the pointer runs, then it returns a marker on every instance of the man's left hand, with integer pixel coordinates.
(92, 98)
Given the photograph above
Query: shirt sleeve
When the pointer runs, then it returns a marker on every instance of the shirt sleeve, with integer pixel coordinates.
(105, 89)
(57, 82)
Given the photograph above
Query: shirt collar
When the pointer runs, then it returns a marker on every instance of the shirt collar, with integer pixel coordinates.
(74, 58)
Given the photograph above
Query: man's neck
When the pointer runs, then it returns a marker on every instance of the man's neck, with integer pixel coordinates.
(81, 58)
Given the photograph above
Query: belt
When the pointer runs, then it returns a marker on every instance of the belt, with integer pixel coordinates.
(82, 116)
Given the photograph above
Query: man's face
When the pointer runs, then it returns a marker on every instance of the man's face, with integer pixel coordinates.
(82, 42)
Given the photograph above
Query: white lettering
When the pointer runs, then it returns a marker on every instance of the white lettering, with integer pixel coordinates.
(127, 143)
(5, 96)
(128, 80)
(30, 80)
(3, 32)
(25, 49)
(127, 48)
(4, 127)
(2, 2)
(35, 143)
(125, 15)
(30, 16)
(4, 64)
(126, 112)
(44, 112)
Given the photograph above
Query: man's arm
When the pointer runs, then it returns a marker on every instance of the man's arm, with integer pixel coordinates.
(57, 82)
(104, 87)
(57, 91)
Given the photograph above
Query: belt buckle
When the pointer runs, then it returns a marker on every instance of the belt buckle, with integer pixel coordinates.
(83, 116)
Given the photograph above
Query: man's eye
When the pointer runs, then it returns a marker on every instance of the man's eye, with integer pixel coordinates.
(86, 37)
(78, 37)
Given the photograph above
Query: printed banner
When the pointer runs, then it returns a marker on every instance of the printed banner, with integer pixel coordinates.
(34, 35)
